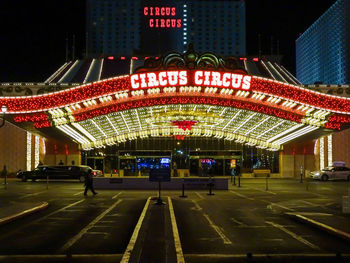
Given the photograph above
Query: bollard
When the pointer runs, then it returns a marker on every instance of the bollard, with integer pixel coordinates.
(234, 180)
(183, 190)
(239, 180)
(267, 183)
(47, 182)
(5, 181)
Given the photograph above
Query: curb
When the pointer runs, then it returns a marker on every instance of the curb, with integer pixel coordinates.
(35, 209)
(316, 224)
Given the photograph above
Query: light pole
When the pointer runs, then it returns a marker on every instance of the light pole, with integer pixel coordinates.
(3, 111)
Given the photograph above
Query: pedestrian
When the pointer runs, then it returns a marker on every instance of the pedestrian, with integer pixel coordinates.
(89, 183)
(238, 170)
(60, 163)
(175, 169)
(4, 172)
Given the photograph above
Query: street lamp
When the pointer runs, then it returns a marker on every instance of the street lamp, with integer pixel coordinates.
(3, 111)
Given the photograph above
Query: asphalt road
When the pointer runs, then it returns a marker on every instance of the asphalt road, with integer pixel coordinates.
(240, 224)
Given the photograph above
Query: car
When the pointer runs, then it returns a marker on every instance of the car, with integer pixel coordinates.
(55, 172)
(332, 173)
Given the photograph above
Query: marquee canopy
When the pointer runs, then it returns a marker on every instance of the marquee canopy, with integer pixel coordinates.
(183, 95)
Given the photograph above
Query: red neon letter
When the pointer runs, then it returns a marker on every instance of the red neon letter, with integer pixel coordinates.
(179, 23)
(145, 11)
(151, 23)
(156, 11)
(173, 11)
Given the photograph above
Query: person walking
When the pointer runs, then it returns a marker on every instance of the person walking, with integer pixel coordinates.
(4, 174)
(89, 183)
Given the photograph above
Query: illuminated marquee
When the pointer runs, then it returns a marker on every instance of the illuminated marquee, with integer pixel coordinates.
(184, 77)
(161, 15)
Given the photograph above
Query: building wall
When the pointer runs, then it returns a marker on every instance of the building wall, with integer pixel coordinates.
(297, 155)
(341, 146)
(323, 50)
(12, 148)
(57, 151)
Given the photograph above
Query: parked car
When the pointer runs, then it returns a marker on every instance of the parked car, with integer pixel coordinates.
(55, 172)
(332, 173)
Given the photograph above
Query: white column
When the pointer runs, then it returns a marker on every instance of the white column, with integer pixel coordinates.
(321, 153)
(36, 153)
(29, 151)
(330, 150)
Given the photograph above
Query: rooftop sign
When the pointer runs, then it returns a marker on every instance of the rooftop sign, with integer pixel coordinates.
(188, 77)
(162, 17)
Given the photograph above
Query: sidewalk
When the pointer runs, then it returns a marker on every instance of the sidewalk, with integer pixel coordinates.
(334, 224)
(10, 211)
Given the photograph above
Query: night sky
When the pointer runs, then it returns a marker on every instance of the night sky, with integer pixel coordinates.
(33, 33)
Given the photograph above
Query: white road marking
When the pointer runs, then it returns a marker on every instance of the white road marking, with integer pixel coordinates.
(240, 195)
(309, 203)
(29, 195)
(237, 222)
(79, 193)
(199, 195)
(281, 206)
(88, 227)
(179, 255)
(118, 194)
(263, 191)
(132, 242)
(218, 230)
(197, 207)
(295, 236)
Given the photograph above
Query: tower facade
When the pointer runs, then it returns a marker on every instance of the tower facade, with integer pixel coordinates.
(129, 28)
(323, 50)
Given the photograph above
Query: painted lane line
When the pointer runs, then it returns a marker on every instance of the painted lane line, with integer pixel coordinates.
(132, 242)
(199, 195)
(274, 204)
(198, 208)
(29, 195)
(240, 195)
(79, 193)
(218, 230)
(179, 255)
(263, 191)
(118, 194)
(237, 222)
(295, 236)
(88, 227)
(58, 211)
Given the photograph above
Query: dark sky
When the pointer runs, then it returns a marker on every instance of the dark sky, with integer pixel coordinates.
(32, 33)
